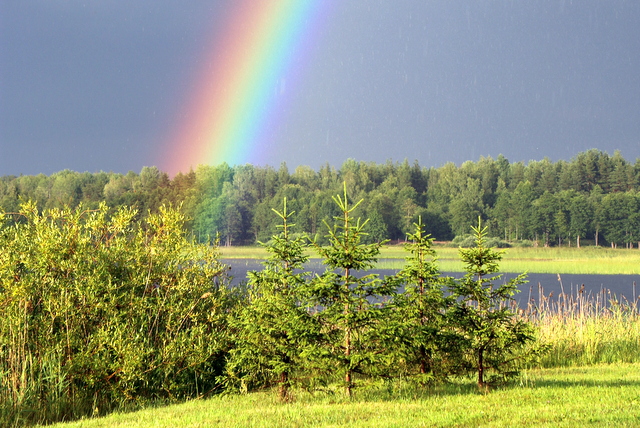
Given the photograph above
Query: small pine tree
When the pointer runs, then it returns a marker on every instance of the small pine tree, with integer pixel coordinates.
(348, 301)
(416, 333)
(494, 338)
(275, 330)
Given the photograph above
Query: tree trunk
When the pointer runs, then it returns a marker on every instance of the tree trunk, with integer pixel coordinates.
(347, 340)
(481, 383)
(283, 391)
(423, 360)
(347, 353)
(578, 241)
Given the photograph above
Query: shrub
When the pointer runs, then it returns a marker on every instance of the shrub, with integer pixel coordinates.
(468, 241)
(101, 310)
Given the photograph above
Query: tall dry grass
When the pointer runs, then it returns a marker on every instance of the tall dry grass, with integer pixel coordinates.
(583, 328)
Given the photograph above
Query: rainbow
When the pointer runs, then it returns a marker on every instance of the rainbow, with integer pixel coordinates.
(243, 87)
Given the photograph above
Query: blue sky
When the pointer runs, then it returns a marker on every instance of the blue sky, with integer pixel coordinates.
(93, 86)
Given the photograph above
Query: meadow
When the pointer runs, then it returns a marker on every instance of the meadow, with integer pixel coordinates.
(585, 260)
(600, 395)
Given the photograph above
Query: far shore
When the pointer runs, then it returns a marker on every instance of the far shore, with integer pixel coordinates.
(555, 260)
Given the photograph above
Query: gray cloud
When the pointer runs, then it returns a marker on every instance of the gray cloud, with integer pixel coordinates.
(98, 85)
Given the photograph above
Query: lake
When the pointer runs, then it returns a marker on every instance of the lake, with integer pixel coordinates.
(620, 285)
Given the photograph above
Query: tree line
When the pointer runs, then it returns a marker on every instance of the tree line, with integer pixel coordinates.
(594, 196)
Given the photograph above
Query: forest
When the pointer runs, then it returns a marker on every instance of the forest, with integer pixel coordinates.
(593, 197)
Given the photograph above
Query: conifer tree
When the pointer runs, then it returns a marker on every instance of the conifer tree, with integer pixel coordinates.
(417, 333)
(275, 331)
(348, 299)
(495, 339)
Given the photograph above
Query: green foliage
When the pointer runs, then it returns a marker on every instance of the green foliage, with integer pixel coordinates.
(100, 310)
(593, 196)
(416, 331)
(484, 316)
(346, 325)
(275, 333)
(378, 231)
(103, 308)
(346, 297)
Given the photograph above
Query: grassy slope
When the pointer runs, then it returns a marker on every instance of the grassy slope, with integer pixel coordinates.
(605, 395)
(586, 260)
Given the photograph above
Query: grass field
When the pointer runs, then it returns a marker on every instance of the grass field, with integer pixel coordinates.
(602, 395)
(586, 260)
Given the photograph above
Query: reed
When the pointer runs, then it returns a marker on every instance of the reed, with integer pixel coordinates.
(583, 328)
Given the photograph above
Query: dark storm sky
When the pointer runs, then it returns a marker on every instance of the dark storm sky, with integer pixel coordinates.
(97, 85)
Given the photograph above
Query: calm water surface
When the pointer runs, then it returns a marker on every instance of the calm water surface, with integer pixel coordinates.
(620, 285)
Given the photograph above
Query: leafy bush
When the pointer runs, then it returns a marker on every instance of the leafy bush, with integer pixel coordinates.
(100, 310)
(468, 241)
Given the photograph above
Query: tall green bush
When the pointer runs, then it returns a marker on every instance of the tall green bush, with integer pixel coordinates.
(349, 299)
(100, 310)
(416, 332)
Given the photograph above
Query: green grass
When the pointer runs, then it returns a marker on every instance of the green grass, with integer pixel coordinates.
(243, 252)
(603, 395)
(586, 260)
